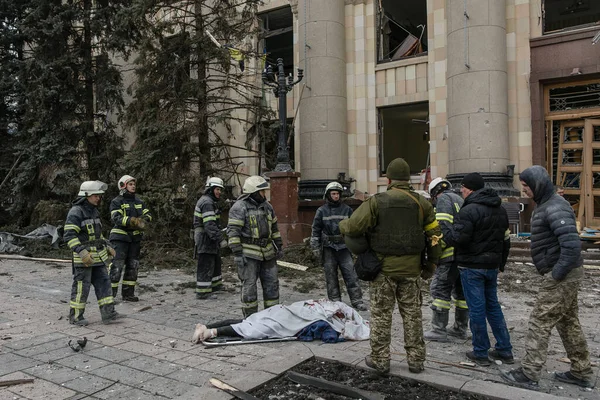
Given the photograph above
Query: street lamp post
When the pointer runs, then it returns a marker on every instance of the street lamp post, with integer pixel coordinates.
(277, 81)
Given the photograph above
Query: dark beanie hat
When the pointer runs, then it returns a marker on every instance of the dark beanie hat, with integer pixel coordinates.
(473, 181)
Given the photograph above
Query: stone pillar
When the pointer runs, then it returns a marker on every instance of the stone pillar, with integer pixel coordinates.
(323, 108)
(477, 82)
(284, 199)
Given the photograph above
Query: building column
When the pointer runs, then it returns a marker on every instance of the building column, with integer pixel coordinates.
(323, 107)
(477, 82)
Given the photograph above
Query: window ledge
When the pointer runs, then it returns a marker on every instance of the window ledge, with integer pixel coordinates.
(564, 36)
(402, 63)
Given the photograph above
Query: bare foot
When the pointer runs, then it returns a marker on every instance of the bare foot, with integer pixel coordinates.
(198, 333)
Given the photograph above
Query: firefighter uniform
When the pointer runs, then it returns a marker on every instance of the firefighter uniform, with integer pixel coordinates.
(256, 243)
(83, 235)
(129, 216)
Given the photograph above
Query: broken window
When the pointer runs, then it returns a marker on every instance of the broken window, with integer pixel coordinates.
(568, 14)
(402, 29)
(277, 37)
(404, 132)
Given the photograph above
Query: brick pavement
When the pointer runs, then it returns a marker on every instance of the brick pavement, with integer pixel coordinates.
(148, 355)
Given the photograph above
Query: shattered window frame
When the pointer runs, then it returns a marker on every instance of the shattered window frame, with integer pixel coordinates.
(417, 122)
(397, 39)
(568, 15)
(275, 25)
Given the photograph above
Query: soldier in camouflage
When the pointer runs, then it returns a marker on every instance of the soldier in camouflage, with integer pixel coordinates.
(256, 243)
(556, 253)
(329, 247)
(396, 224)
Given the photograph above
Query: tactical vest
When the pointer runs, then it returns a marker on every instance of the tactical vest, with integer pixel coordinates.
(399, 230)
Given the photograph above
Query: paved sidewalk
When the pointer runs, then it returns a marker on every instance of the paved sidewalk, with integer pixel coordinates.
(148, 355)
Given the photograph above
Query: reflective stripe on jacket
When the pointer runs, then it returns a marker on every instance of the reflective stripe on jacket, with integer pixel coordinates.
(252, 229)
(207, 217)
(122, 209)
(326, 226)
(83, 230)
(447, 206)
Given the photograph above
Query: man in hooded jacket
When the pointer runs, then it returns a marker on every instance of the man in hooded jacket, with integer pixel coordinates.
(329, 247)
(556, 254)
(481, 241)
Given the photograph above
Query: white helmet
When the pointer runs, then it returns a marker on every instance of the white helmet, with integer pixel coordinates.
(254, 184)
(89, 188)
(333, 186)
(438, 185)
(214, 181)
(124, 180)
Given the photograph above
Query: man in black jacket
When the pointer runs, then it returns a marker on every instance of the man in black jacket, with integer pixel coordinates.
(556, 253)
(481, 241)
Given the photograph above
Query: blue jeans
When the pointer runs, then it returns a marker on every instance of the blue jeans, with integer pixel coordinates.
(480, 287)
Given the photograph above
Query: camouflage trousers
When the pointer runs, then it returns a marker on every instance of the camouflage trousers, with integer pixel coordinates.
(385, 292)
(556, 305)
(332, 259)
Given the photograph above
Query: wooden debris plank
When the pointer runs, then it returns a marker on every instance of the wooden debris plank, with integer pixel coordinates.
(18, 257)
(237, 393)
(15, 382)
(292, 265)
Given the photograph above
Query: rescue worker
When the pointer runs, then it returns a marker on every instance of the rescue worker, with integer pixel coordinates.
(556, 254)
(256, 244)
(329, 248)
(129, 216)
(83, 234)
(446, 280)
(395, 223)
(208, 238)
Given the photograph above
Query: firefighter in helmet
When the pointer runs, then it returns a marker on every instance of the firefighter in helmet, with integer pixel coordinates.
(256, 243)
(208, 238)
(329, 248)
(129, 216)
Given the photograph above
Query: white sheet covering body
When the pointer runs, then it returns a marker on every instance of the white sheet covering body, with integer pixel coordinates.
(281, 321)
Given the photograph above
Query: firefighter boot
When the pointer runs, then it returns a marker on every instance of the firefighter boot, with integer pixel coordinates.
(461, 323)
(127, 291)
(439, 320)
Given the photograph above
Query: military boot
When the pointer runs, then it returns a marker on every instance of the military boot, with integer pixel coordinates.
(439, 320)
(461, 323)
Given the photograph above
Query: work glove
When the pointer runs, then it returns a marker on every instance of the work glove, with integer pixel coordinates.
(239, 261)
(137, 222)
(428, 270)
(317, 255)
(86, 257)
(111, 251)
(223, 243)
(279, 254)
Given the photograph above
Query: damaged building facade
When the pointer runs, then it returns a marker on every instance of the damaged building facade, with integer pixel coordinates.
(452, 86)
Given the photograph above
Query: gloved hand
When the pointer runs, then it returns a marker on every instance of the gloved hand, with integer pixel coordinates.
(428, 270)
(223, 243)
(111, 251)
(86, 257)
(317, 255)
(137, 222)
(239, 261)
(279, 254)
